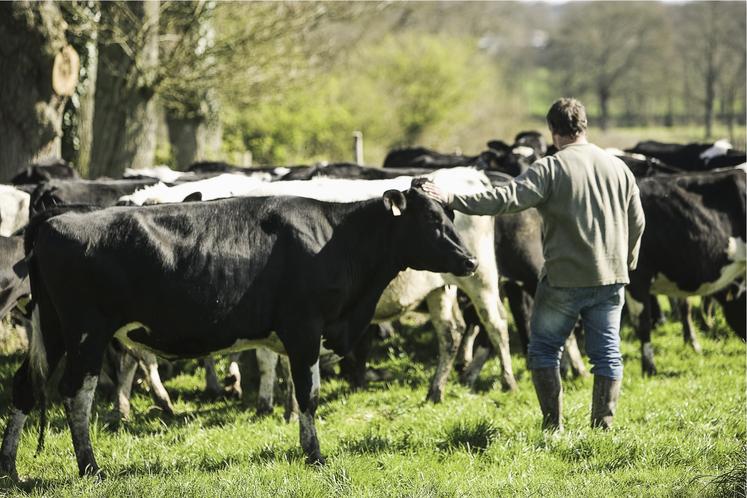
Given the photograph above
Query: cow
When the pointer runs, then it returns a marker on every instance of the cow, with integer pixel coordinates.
(161, 173)
(217, 167)
(692, 156)
(51, 169)
(694, 244)
(422, 157)
(14, 209)
(187, 280)
(101, 193)
(412, 288)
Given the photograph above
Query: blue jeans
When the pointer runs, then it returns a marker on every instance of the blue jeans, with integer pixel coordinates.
(556, 310)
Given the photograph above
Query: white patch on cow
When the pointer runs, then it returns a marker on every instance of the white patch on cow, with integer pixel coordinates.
(719, 148)
(647, 350)
(163, 173)
(281, 171)
(221, 186)
(736, 251)
(396, 211)
(523, 150)
(122, 335)
(14, 209)
(271, 342)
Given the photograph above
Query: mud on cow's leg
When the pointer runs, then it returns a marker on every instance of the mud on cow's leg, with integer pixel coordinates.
(267, 361)
(449, 330)
(306, 380)
(78, 390)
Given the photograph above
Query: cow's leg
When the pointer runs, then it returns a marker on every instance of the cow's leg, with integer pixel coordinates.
(23, 402)
(520, 304)
(212, 386)
(354, 366)
(78, 412)
(574, 358)
(449, 333)
(470, 373)
(45, 353)
(493, 316)
(688, 327)
(126, 367)
(291, 404)
(639, 308)
(306, 380)
(267, 361)
(157, 391)
(233, 379)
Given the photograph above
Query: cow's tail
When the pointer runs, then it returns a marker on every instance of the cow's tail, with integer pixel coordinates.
(38, 358)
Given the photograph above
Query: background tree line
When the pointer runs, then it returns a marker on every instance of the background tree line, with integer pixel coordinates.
(174, 82)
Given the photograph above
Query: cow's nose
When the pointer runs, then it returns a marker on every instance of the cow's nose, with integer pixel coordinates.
(470, 265)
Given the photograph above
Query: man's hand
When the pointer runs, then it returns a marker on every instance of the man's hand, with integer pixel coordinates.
(436, 193)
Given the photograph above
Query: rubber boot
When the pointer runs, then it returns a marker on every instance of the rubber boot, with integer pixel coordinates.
(604, 401)
(550, 395)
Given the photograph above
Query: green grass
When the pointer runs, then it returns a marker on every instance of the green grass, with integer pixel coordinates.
(679, 434)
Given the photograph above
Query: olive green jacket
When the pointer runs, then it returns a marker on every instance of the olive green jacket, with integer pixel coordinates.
(591, 212)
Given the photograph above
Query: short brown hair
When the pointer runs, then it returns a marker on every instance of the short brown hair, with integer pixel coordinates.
(567, 117)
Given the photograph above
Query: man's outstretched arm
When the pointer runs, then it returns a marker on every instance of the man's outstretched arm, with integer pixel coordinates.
(526, 190)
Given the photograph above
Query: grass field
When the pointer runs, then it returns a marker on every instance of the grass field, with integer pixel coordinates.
(680, 434)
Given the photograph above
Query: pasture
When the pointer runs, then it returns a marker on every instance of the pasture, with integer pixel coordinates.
(681, 433)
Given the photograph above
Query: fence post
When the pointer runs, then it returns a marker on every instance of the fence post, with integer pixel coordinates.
(358, 147)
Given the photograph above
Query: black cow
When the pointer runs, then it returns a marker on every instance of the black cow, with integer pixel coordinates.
(283, 272)
(692, 156)
(352, 171)
(421, 157)
(694, 244)
(94, 192)
(52, 169)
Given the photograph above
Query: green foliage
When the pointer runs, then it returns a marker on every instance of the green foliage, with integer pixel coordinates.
(402, 90)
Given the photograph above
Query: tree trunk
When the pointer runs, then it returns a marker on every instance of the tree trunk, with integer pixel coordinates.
(124, 116)
(31, 36)
(187, 138)
(85, 111)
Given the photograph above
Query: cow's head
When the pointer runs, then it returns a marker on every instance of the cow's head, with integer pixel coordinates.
(425, 234)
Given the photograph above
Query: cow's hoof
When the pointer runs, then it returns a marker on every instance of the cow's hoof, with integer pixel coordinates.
(94, 472)
(263, 410)
(316, 460)
(647, 360)
(696, 347)
(233, 392)
(9, 471)
(508, 383)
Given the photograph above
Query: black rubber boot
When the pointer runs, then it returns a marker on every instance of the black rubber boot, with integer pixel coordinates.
(550, 395)
(604, 401)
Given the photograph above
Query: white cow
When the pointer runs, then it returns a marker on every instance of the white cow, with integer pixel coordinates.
(14, 209)
(218, 187)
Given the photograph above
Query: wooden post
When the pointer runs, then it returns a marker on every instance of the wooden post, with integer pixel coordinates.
(358, 147)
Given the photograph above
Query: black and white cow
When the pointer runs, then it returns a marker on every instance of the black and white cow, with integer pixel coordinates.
(694, 244)
(281, 272)
(422, 157)
(692, 156)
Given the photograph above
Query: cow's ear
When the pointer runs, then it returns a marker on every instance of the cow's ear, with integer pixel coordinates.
(395, 201)
(193, 197)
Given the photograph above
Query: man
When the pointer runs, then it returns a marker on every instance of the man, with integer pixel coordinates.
(592, 227)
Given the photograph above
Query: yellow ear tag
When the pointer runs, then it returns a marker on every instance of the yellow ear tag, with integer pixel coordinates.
(396, 211)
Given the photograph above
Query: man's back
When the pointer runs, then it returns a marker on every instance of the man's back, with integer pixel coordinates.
(585, 235)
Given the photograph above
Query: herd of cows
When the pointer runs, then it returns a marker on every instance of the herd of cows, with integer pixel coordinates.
(301, 262)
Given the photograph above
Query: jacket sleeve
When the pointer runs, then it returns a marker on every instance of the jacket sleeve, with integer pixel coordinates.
(529, 189)
(636, 225)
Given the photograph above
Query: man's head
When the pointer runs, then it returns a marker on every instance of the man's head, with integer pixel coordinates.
(567, 121)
